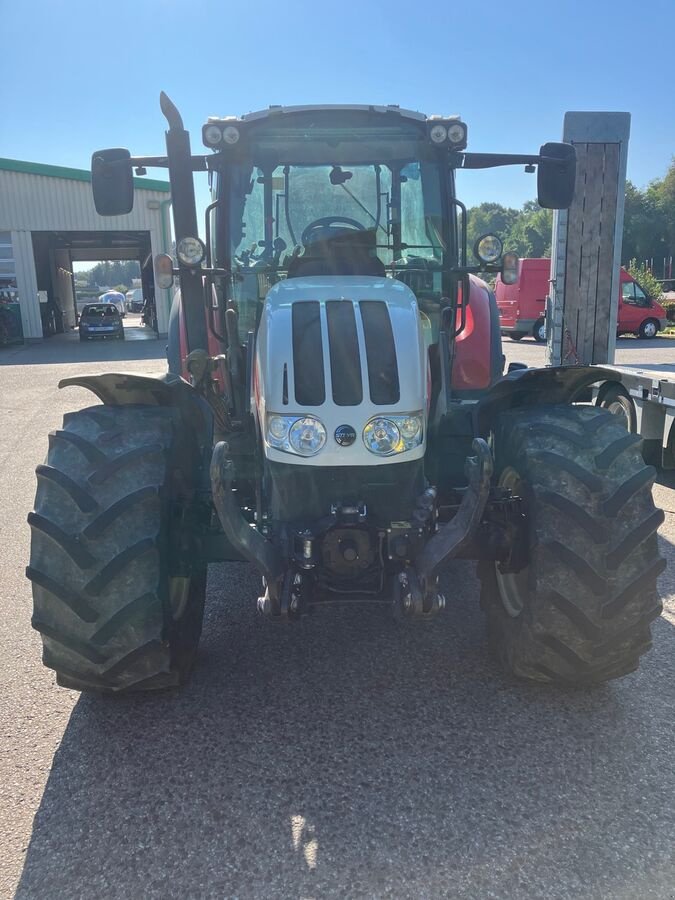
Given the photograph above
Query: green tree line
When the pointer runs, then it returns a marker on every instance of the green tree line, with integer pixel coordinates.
(111, 272)
(648, 233)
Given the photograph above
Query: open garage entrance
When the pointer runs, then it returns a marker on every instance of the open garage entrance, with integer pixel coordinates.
(56, 252)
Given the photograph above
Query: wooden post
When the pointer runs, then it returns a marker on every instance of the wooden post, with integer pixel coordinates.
(586, 247)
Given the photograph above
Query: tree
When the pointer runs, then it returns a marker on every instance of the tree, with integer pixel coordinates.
(645, 278)
(526, 231)
(115, 272)
(488, 217)
(530, 234)
(649, 221)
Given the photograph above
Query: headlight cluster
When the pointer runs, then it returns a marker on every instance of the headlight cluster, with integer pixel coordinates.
(215, 134)
(387, 435)
(303, 435)
(382, 435)
(448, 131)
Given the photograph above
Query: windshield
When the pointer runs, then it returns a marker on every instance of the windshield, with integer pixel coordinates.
(291, 221)
(99, 311)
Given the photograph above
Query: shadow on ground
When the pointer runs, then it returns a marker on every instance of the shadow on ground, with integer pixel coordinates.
(348, 757)
(67, 348)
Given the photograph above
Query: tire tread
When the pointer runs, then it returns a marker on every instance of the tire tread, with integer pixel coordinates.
(589, 603)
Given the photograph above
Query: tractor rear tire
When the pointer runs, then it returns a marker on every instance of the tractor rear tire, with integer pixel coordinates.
(114, 610)
(579, 612)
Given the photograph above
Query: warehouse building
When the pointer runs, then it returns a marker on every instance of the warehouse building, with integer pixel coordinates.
(48, 222)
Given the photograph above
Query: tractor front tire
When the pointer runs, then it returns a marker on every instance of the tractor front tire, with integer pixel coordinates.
(579, 612)
(114, 611)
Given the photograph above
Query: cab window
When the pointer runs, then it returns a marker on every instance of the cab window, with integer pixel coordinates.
(632, 293)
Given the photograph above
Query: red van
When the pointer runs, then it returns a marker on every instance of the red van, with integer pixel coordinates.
(522, 306)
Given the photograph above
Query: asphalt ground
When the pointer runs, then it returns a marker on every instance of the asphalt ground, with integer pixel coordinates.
(345, 756)
(657, 354)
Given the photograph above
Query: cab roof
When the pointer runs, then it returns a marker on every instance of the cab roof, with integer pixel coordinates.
(272, 111)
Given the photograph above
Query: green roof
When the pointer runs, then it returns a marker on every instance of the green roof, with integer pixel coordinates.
(31, 168)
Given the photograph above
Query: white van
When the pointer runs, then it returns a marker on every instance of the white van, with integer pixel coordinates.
(117, 298)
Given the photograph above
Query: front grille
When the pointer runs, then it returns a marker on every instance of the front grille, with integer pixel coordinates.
(344, 353)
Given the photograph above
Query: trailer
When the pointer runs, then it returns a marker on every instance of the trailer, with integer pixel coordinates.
(646, 401)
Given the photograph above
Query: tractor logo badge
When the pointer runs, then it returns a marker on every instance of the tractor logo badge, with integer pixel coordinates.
(345, 435)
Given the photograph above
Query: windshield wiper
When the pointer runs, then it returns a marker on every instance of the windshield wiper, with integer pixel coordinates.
(356, 200)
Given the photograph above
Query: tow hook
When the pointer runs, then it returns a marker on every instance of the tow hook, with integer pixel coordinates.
(287, 606)
(411, 601)
(455, 534)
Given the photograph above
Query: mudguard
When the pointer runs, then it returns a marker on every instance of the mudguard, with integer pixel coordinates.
(536, 387)
(121, 389)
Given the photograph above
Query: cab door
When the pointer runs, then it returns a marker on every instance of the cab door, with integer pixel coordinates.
(631, 306)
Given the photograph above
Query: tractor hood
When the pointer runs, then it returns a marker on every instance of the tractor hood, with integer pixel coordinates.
(344, 350)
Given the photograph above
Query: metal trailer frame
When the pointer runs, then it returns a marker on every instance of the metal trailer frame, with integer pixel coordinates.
(652, 398)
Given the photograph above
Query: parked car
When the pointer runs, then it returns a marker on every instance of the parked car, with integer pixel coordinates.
(117, 299)
(522, 306)
(135, 300)
(101, 320)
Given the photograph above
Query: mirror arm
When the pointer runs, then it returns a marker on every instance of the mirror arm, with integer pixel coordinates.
(492, 160)
(199, 163)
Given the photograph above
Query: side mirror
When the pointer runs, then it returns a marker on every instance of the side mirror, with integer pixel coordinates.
(555, 180)
(112, 182)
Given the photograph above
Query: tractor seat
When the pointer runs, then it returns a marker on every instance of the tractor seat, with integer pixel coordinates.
(336, 264)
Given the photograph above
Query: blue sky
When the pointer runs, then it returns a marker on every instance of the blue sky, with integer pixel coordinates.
(80, 76)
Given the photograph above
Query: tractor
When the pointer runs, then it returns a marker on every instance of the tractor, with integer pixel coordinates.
(335, 413)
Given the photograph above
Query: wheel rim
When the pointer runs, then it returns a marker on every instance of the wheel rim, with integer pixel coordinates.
(541, 331)
(649, 329)
(512, 586)
(179, 594)
(617, 409)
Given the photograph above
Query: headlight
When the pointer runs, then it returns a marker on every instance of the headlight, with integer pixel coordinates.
(302, 435)
(230, 134)
(409, 427)
(388, 435)
(190, 251)
(212, 135)
(307, 436)
(381, 436)
(438, 133)
(457, 133)
(278, 427)
(488, 248)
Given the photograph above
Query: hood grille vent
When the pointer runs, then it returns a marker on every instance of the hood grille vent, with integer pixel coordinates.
(344, 350)
(345, 360)
(380, 353)
(310, 388)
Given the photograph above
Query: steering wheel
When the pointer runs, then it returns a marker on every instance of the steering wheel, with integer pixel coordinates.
(324, 229)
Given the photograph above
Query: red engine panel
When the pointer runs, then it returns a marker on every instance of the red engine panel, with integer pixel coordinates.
(472, 369)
